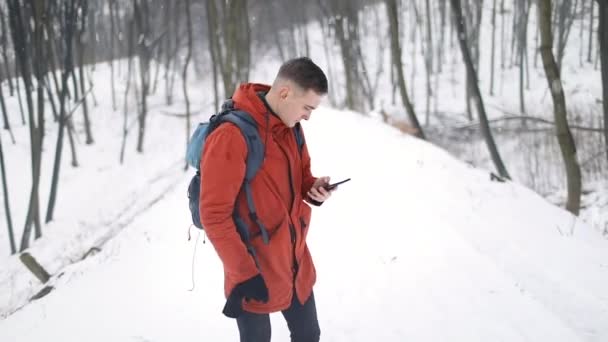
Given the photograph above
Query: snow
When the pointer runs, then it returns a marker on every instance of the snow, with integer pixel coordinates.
(421, 245)
(418, 246)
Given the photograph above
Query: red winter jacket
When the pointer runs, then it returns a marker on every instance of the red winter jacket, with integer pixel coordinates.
(278, 192)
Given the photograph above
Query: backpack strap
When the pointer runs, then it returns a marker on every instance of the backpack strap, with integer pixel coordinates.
(255, 158)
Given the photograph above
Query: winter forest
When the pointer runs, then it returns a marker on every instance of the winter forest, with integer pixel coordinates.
(99, 99)
(516, 87)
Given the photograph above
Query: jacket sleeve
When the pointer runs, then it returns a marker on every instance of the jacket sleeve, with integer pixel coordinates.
(222, 173)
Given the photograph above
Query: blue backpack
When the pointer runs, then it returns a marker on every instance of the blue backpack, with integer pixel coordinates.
(255, 159)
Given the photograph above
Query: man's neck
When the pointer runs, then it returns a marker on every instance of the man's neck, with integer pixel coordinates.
(270, 102)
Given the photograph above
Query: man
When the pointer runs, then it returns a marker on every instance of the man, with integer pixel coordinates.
(282, 275)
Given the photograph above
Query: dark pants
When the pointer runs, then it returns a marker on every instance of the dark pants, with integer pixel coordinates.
(301, 320)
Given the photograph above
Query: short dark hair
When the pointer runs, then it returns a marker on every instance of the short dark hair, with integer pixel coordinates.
(305, 73)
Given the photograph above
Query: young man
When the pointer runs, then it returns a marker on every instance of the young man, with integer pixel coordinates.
(282, 275)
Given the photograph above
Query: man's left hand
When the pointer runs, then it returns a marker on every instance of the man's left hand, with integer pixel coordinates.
(318, 192)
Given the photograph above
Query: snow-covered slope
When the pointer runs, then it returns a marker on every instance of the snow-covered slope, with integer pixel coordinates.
(417, 247)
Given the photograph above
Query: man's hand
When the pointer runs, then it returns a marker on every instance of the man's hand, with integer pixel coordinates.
(318, 192)
(253, 288)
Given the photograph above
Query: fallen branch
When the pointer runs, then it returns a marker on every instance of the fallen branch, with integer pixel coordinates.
(181, 115)
(78, 103)
(34, 267)
(530, 118)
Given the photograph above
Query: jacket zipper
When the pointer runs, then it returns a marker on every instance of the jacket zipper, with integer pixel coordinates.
(292, 229)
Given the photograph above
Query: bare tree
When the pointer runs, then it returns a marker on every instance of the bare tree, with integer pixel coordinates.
(591, 11)
(522, 44)
(82, 46)
(602, 33)
(391, 8)
(22, 43)
(428, 59)
(7, 207)
(4, 45)
(232, 41)
(112, 8)
(67, 32)
(213, 46)
(564, 136)
(473, 26)
(472, 75)
(565, 17)
(493, 48)
(141, 15)
(3, 40)
(185, 73)
(131, 52)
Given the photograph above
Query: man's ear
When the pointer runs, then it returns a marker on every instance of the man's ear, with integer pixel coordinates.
(283, 92)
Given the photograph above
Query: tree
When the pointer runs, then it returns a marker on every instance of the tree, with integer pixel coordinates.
(231, 42)
(185, 73)
(493, 48)
(472, 76)
(82, 46)
(602, 33)
(213, 46)
(564, 136)
(4, 44)
(68, 65)
(21, 35)
(391, 8)
(141, 13)
(7, 207)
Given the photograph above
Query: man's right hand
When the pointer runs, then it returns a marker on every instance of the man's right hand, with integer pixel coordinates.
(253, 288)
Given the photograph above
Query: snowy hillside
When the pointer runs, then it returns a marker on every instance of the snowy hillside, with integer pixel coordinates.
(417, 247)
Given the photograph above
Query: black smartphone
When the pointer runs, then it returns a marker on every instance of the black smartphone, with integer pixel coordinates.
(330, 187)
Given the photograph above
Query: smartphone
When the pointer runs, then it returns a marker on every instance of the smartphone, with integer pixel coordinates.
(330, 187)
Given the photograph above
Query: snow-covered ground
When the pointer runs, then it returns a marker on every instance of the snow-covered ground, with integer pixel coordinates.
(418, 246)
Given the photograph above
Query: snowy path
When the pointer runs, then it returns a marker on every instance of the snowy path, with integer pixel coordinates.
(418, 247)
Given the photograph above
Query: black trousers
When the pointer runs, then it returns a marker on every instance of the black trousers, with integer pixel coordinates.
(301, 320)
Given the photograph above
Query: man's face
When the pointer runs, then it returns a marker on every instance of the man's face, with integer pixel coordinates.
(297, 104)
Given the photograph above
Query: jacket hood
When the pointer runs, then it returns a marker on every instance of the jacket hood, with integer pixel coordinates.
(247, 98)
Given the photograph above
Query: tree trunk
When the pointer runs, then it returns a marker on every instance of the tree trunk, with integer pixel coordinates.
(325, 29)
(112, 5)
(68, 65)
(212, 41)
(142, 20)
(19, 34)
(522, 47)
(502, 35)
(602, 32)
(39, 63)
(71, 140)
(565, 18)
(5, 115)
(19, 100)
(168, 50)
(591, 30)
(564, 136)
(442, 12)
(185, 74)
(7, 207)
(82, 48)
(393, 19)
(4, 45)
(428, 60)
(493, 48)
(131, 52)
(485, 127)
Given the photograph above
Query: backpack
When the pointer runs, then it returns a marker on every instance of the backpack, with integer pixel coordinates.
(255, 159)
